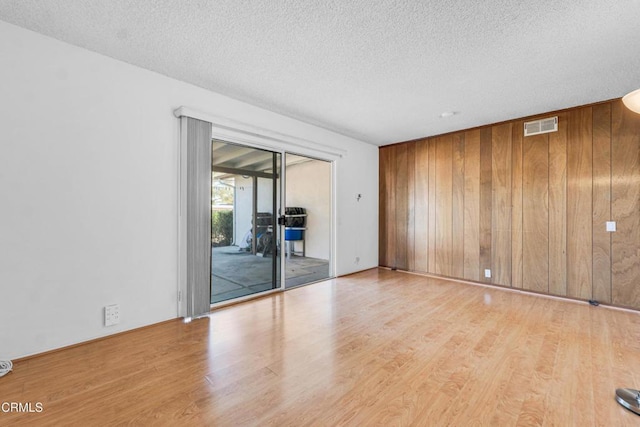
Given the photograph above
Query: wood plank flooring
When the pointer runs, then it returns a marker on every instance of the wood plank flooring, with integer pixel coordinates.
(376, 348)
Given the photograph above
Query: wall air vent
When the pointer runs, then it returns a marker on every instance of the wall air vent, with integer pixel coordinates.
(541, 126)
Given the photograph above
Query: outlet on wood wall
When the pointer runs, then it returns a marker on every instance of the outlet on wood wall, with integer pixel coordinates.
(531, 209)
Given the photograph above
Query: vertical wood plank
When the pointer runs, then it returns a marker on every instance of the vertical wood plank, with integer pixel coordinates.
(485, 202)
(432, 206)
(558, 208)
(579, 203)
(601, 202)
(421, 206)
(535, 213)
(444, 204)
(402, 206)
(383, 170)
(516, 204)
(501, 204)
(391, 208)
(411, 175)
(457, 225)
(625, 167)
(472, 205)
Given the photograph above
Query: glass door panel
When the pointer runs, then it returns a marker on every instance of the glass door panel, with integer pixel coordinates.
(307, 233)
(245, 256)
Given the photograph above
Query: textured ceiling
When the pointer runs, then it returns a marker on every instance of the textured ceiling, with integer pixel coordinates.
(380, 71)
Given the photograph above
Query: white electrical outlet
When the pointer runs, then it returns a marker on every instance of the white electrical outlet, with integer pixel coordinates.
(111, 315)
(487, 273)
(611, 226)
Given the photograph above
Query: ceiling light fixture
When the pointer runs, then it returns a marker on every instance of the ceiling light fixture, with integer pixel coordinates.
(632, 101)
(448, 114)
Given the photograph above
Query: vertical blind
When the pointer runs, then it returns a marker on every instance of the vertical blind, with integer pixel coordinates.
(196, 135)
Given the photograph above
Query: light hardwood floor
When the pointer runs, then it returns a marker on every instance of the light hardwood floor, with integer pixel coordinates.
(376, 348)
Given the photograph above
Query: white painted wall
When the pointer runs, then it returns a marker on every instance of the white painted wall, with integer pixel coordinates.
(309, 186)
(88, 186)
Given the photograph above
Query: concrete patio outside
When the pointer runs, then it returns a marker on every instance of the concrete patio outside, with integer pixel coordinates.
(236, 273)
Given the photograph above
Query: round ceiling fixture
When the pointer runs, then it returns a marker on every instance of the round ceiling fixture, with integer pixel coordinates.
(448, 114)
(632, 101)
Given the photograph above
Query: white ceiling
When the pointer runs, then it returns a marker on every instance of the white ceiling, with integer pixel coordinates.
(378, 70)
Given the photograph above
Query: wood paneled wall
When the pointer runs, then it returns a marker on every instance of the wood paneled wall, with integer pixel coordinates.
(530, 209)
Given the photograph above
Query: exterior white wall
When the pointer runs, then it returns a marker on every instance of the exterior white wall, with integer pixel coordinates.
(244, 202)
(88, 183)
(242, 208)
(309, 186)
(265, 195)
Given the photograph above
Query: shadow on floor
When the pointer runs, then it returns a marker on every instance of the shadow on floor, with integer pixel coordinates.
(236, 273)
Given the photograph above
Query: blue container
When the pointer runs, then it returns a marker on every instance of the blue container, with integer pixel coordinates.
(290, 234)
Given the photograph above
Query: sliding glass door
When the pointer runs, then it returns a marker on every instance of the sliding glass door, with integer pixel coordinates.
(245, 200)
(235, 224)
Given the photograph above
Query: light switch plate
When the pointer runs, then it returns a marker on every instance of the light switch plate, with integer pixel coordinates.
(611, 226)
